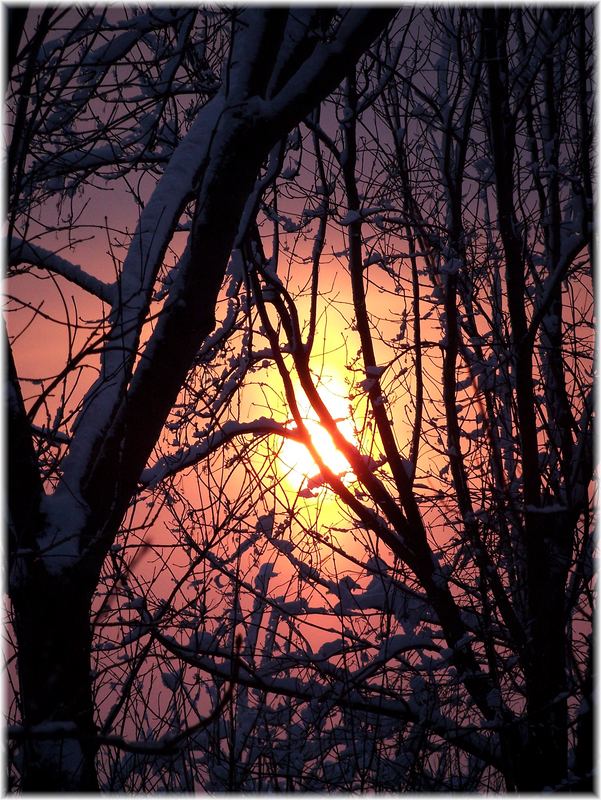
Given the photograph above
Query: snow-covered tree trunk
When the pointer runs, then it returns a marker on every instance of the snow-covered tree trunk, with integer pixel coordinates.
(52, 629)
(276, 72)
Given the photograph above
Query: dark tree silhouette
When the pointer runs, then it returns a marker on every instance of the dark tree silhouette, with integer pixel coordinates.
(277, 66)
(201, 595)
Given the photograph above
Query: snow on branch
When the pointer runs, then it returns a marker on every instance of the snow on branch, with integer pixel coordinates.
(171, 465)
(467, 737)
(21, 251)
(358, 27)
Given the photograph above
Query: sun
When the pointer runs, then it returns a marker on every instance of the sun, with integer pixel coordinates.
(296, 462)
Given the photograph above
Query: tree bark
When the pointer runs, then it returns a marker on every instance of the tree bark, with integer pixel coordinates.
(53, 634)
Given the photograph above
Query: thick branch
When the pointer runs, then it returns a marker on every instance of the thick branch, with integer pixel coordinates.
(21, 251)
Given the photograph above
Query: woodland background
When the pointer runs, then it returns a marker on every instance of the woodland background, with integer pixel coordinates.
(299, 319)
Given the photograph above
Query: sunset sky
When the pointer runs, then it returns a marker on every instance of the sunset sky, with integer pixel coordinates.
(300, 312)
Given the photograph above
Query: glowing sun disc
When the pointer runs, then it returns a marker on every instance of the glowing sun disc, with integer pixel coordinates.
(296, 460)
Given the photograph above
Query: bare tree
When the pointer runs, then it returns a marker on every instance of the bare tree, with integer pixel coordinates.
(252, 75)
(416, 616)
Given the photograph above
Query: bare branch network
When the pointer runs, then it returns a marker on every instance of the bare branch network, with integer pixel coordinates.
(299, 315)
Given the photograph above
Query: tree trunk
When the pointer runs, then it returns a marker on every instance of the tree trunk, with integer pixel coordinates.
(52, 626)
(544, 758)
